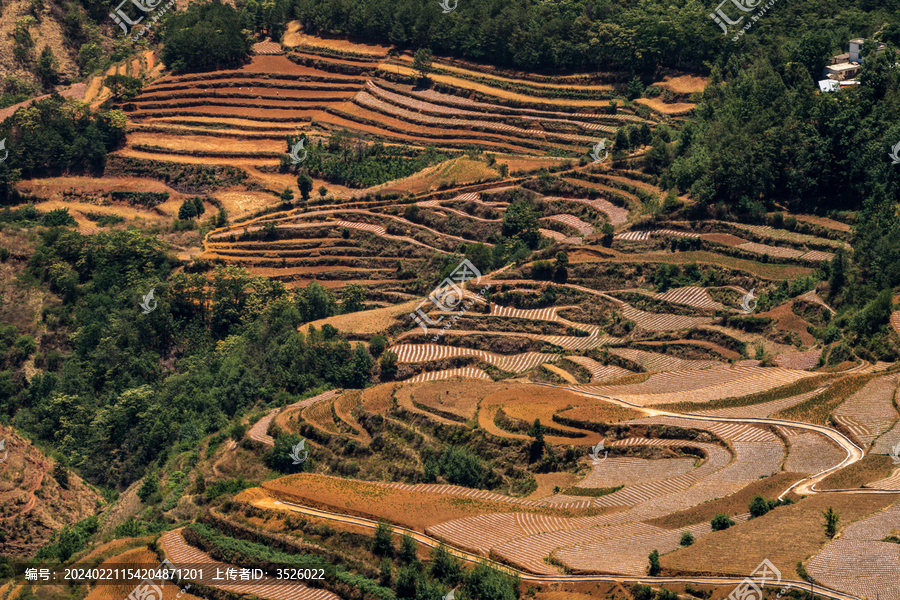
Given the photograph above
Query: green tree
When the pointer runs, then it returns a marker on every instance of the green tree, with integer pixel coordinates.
(149, 487)
(305, 185)
(622, 143)
(61, 475)
(377, 344)
(486, 582)
(561, 267)
(536, 449)
(758, 506)
(354, 297)
(444, 567)
(607, 230)
(653, 570)
(198, 205)
(48, 69)
(874, 315)
(408, 549)
(407, 581)
(422, 60)
(187, 210)
(287, 195)
(460, 467)
(838, 273)
(279, 457)
(687, 538)
(323, 191)
(316, 302)
(720, 522)
(361, 369)
(831, 521)
(385, 572)
(520, 222)
(204, 37)
(383, 543)
(480, 256)
(388, 364)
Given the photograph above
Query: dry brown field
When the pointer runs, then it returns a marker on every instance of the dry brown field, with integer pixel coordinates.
(785, 536)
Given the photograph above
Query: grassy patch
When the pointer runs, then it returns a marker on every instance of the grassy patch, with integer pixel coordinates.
(590, 492)
(786, 391)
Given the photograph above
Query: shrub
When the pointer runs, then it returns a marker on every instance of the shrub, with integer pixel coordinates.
(720, 522)
(831, 521)
(383, 544)
(687, 538)
(461, 468)
(377, 345)
(653, 570)
(149, 487)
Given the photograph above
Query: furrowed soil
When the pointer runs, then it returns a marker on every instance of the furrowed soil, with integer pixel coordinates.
(413, 509)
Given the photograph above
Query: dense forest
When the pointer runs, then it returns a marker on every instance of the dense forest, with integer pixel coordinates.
(136, 384)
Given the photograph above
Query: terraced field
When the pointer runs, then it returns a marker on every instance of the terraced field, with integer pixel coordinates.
(631, 337)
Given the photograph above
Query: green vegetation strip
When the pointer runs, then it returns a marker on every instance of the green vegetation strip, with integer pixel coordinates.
(590, 492)
(254, 555)
(786, 391)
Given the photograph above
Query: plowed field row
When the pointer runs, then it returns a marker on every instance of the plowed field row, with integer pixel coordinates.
(517, 363)
(697, 297)
(370, 102)
(616, 214)
(599, 372)
(810, 453)
(429, 108)
(661, 322)
(643, 236)
(799, 360)
(654, 361)
(869, 412)
(467, 373)
(574, 222)
(627, 470)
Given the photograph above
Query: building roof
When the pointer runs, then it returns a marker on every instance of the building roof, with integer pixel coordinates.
(843, 66)
(858, 40)
(829, 85)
